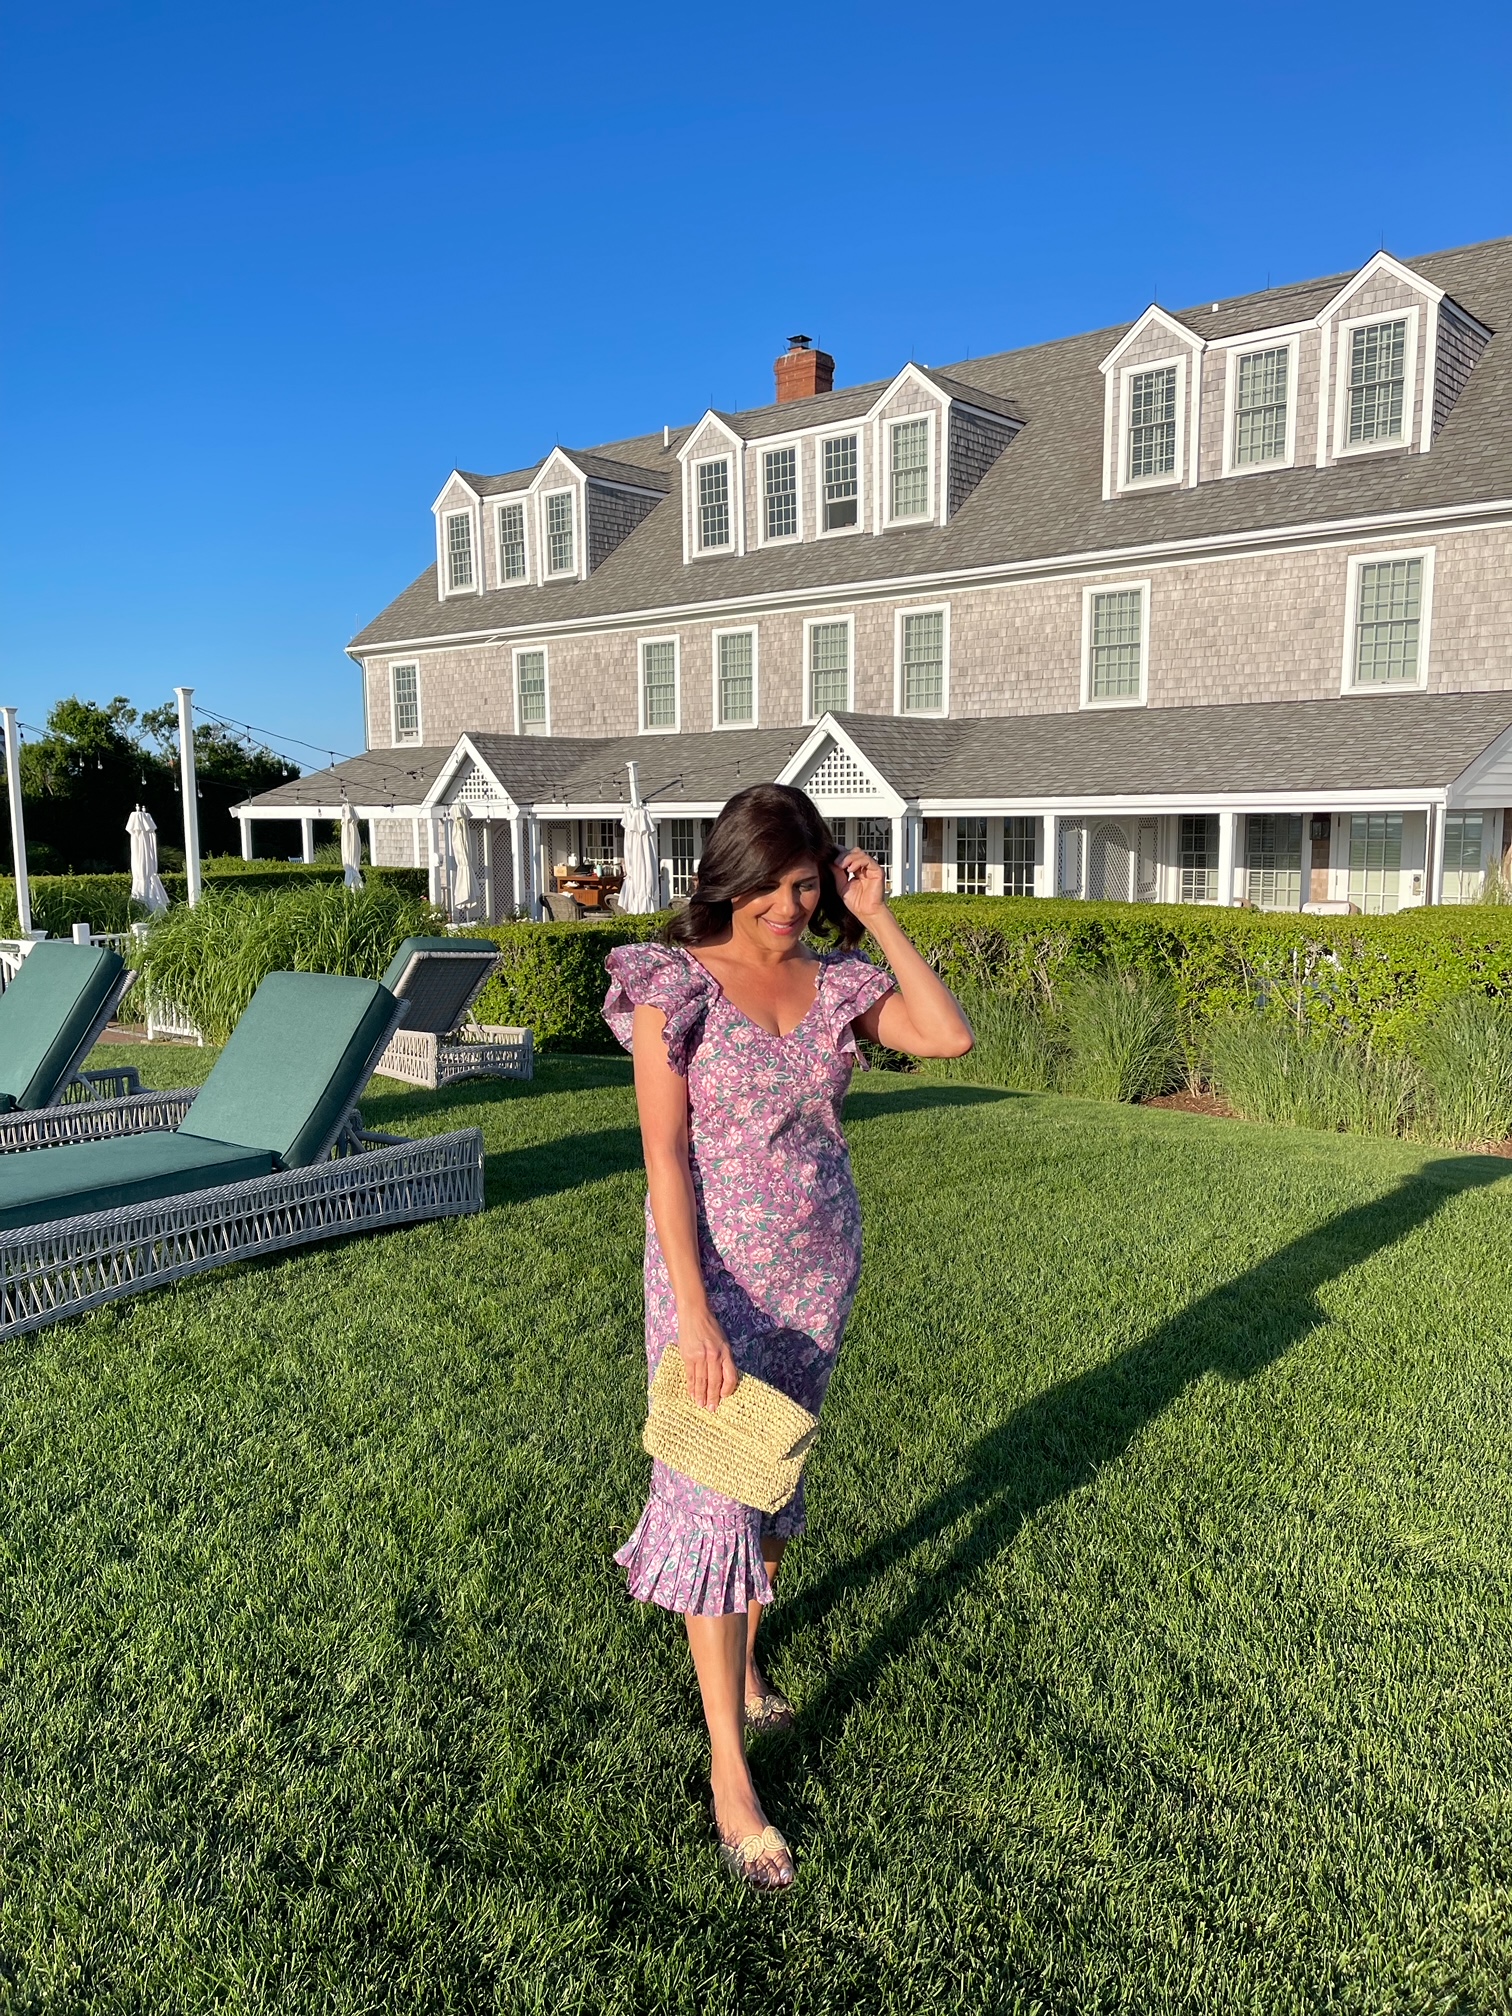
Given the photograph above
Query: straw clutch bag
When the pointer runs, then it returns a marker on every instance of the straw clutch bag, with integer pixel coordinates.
(751, 1448)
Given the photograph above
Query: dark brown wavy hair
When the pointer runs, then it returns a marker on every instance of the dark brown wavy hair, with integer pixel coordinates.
(763, 832)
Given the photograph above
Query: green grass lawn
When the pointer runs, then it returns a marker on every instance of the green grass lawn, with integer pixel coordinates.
(1152, 1646)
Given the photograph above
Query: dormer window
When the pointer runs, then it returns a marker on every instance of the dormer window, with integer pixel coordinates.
(909, 493)
(1377, 381)
(1152, 423)
(713, 505)
(511, 542)
(1261, 403)
(779, 478)
(841, 483)
(560, 547)
(459, 550)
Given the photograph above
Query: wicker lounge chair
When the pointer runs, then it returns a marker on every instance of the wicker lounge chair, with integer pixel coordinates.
(270, 1154)
(51, 1016)
(439, 1042)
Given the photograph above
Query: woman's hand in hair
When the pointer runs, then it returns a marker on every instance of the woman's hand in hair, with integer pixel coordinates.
(862, 885)
(707, 1360)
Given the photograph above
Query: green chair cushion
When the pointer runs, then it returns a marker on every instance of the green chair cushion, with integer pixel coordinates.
(439, 989)
(46, 1012)
(48, 1183)
(295, 1064)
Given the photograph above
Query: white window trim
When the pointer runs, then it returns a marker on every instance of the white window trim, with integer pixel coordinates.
(443, 555)
(1287, 460)
(941, 609)
(1351, 610)
(419, 736)
(862, 433)
(543, 534)
(1123, 700)
(809, 625)
(737, 630)
(640, 684)
(500, 505)
(890, 425)
(1343, 330)
(1175, 477)
(696, 546)
(520, 651)
(763, 449)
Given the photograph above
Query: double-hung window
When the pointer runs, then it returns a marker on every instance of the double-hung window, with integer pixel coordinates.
(1152, 423)
(840, 475)
(1261, 397)
(1464, 859)
(459, 550)
(659, 683)
(779, 478)
(1020, 849)
(560, 545)
(530, 690)
(1197, 857)
(971, 857)
(1115, 645)
(511, 542)
(1377, 381)
(735, 678)
(829, 668)
(1386, 646)
(1273, 860)
(405, 680)
(1375, 862)
(874, 837)
(713, 506)
(909, 496)
(921, 650)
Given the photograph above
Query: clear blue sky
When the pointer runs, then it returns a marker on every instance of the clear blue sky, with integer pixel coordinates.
(270, 271)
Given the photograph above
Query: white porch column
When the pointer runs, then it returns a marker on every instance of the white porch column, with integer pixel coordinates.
(372, 841)
(416, 849)
(517, 861)
(1044, 861)
(899, 876)
(307, 841)
(1438, 819)
(189, 789)
(246, 835)
(1228, 854)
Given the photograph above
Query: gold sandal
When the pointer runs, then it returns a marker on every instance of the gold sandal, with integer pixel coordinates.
(769, 1712)
(763, 1860)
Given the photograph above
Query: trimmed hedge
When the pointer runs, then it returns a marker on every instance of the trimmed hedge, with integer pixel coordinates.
(1376, 978)
(104, 901)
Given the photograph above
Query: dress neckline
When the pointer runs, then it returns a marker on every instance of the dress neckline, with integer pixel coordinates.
(734, 1007)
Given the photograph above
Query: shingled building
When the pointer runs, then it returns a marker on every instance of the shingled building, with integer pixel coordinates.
(1211, 608)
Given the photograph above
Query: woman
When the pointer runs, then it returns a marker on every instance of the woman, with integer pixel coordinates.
(744, 1038)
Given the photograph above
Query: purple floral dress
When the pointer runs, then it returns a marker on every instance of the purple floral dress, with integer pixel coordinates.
(779, 1235)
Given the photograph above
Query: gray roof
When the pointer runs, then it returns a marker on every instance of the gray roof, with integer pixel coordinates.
(1043, 496)
(606, 468)
(1376, 742)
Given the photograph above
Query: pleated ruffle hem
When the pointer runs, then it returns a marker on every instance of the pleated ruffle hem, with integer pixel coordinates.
(698, 1563)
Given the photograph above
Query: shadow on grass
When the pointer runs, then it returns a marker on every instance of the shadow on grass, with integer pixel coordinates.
(545, 1168)
(918, 1096)
(1059, 1441)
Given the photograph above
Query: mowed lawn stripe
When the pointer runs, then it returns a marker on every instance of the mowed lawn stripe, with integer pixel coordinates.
(1152, 1641)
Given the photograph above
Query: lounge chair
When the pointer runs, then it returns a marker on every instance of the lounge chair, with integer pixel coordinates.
(439, 1041)
(268, 1155)
(51, 1016)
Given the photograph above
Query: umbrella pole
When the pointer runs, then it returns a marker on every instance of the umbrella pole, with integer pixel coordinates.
(17, 820)
(190, 790)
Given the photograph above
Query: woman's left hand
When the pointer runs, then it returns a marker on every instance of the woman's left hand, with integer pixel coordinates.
(863, 886)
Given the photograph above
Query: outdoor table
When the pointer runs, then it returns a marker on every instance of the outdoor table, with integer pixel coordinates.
(591, 891)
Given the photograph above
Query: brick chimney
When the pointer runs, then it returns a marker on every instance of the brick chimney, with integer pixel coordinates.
(802, 370)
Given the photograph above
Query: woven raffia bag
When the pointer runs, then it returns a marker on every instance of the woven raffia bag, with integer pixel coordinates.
(751, 1447)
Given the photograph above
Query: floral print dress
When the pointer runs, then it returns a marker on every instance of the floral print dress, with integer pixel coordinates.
(779, 1236)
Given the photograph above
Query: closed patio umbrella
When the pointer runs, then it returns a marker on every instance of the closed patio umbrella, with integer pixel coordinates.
(351, 848)
(146, 883)
(641, 893)
(464, 884)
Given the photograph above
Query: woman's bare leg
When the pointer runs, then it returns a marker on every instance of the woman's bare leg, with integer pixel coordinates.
(718, 1645)
(755, 1679)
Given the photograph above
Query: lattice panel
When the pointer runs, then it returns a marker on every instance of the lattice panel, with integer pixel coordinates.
(473, 786)
(840, 776)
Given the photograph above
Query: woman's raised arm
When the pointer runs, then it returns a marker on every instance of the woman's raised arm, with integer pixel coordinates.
(923, 1018)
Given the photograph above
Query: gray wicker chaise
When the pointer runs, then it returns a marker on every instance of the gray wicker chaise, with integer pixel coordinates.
(51, 1016)
(439, 1042)
(270, 1154)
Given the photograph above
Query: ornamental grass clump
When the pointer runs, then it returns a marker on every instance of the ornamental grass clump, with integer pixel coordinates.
(209, 961)
(1015, 1045)
(1277, 1070)
(1466, 1058)
(1122, 1036)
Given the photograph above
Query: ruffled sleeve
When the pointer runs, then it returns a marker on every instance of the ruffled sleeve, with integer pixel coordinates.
(852, 985)
(656, 976)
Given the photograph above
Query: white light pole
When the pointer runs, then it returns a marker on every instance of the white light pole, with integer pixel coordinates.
(190, 792)
(17, 822)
